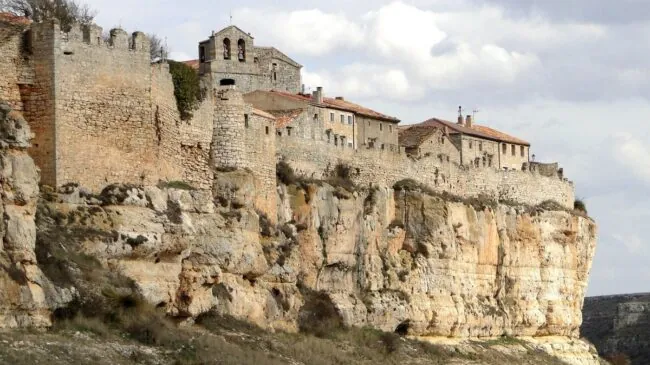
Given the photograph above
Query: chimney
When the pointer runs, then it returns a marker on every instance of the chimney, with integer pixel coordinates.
(460, 115)
(468, 121)
(317, 96)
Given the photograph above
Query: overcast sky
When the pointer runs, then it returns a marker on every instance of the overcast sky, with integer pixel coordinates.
(570, 76)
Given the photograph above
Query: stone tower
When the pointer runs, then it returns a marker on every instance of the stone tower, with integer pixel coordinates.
(228, 146)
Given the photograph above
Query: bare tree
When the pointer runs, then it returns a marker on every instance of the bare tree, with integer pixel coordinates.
(67, 12)
(158, 49)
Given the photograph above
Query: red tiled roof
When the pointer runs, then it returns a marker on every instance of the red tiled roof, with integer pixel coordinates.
(338, 104)
(285, 117)
(415, 135)
(14, 19)
(263, 114)
(476, 131)
(192, 63)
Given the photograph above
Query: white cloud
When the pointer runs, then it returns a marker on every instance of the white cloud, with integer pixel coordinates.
(634, 154)
(310, 32)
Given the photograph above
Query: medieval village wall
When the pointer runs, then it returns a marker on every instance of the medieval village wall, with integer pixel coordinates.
(314, 159)
(259, 144)
(16, 70)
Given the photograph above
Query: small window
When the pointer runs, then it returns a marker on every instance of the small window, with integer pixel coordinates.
(480, 148)
(275, 76)
(316, 116)
(342, 119)
(381, 128)
(331, 117)
(442, 140)
(522, 150)
(513, 149)
(505, 149)
(256, 59)
(390, 128)
(470, 145)
(202, 53)
(246, 120)
(267, 129)
(279, 133)
(350, 119)
(382, 145)
(288, 131)
(368, 122)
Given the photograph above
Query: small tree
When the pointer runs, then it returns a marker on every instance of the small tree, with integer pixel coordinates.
(158, 49)
(187, 88)
(580, 206)
(67, 12)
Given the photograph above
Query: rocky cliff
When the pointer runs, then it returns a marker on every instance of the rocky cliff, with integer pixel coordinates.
(618, 325)
(401, 259)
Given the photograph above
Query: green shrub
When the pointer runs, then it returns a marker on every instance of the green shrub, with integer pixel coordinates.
(285, 174)
(580, 206)
(187, 88)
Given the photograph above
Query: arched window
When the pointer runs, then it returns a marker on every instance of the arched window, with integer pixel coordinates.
(241, 50)
(226, 49)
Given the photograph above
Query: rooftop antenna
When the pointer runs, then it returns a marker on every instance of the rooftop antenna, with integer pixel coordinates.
(476, 110)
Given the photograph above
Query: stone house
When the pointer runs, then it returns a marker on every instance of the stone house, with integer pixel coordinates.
(465, 143)
(334, 120)
(231, 54)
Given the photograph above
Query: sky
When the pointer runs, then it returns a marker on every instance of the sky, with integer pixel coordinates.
(570, 76)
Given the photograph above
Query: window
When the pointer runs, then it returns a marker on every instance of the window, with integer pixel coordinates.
(368, 122)
(350, 144)
(316, 116)
(382, 145)
(512, 148)
(288, 131)
(342, 119)
(470, 145)
(505, 149)
(331, 117)
(275, 76)
(350, 119)
(522, 150)
(442, 140)
(256, 59)
(381, 128)
(241, 50)
(202, 54)
(336, 140)
(246, 120)
(267, 129)
(480, 148)
(226, 49)
(390, 129)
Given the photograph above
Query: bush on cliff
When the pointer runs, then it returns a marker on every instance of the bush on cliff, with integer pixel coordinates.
(187, 88)
(285, 174)
(580, 206)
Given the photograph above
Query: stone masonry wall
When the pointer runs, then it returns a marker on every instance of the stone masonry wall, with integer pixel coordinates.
(104, 116)
(228, 147)
(259, 140)
(313, 158)
(15, 66)
(186, 144)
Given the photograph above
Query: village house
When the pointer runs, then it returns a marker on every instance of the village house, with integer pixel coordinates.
(335, 120)
(465, 143)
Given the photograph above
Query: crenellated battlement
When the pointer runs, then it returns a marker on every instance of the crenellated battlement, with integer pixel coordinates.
(91, 36)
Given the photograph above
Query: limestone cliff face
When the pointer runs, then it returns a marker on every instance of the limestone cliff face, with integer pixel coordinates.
(389, 259)
(26, 295)
(618, 325)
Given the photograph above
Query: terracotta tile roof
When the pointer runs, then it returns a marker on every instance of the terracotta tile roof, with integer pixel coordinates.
(14, 19)
(285, 117)
(415, 135)
(263, 114)
(476, 131)
(338, 104)
(192, 63)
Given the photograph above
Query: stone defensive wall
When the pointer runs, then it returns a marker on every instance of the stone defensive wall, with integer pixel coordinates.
(315, 159)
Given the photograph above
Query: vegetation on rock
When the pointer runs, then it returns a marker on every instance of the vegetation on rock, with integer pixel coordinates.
(187, 88)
